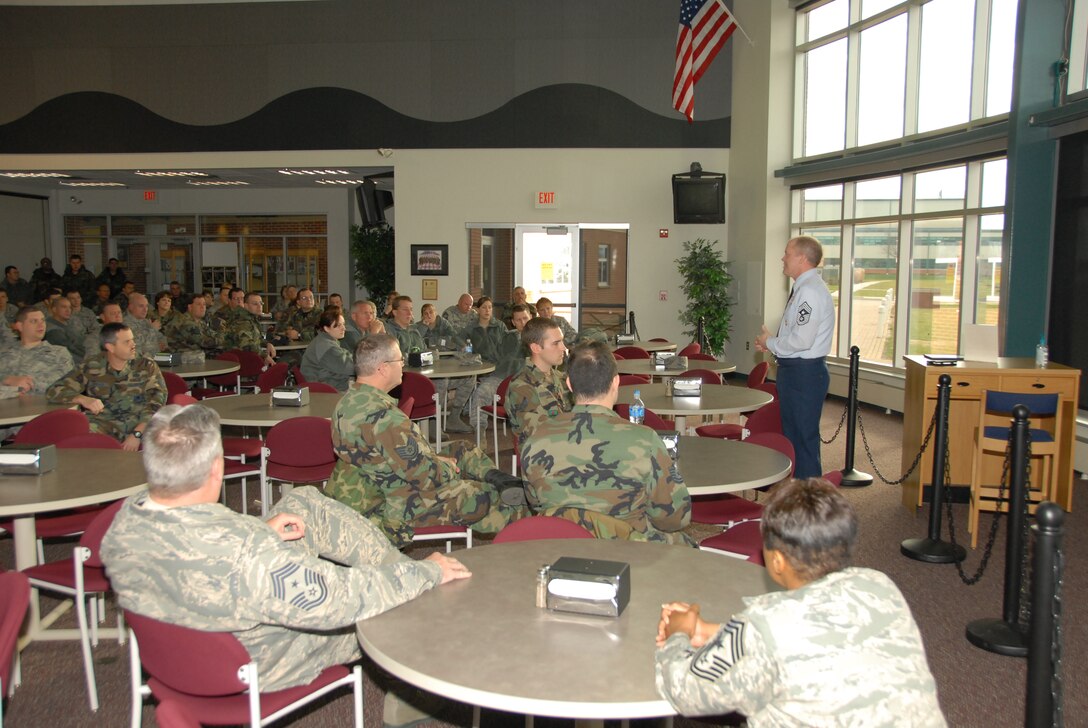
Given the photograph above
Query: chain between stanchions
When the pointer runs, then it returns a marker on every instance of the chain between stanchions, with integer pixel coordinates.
(837, 429)
(917, 458)
(1058, 717)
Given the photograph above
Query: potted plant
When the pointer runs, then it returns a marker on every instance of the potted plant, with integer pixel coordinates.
(373, 250)
(706, 285)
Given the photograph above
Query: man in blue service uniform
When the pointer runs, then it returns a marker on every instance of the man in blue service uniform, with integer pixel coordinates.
(801, 348)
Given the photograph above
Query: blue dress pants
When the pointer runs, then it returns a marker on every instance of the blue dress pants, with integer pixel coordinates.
(802, 387)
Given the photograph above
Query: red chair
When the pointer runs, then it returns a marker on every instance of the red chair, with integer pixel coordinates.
(272, 377)
(425, 396)
(729, 510)
(658, 338)
(706, 375)
(90, 441)
(539, 528)
(174, 714)
(651, 419)
(631, 352)
(224, 384)
(406, 405)
(300, 378)
(767, 418)
(82, 578)
(691, 349)
(14, 601)
(628, 380)
(212, 676)
(174, 385)
(53, 426)
(322, 387)
(298, 450)
(497, 412)
(699, 357)
(743, 541)
(758, 375)
(252, 364)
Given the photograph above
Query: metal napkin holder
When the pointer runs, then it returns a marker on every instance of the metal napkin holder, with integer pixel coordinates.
(290, 396)
(671, 440)
(420, 359)
(589, 586)
(622, 339)
(168, 359)
(27, 459)
(685, 387)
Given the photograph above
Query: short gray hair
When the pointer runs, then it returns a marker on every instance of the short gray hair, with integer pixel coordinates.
(369, 304)
(809, 247)
(372, 352)
(181, 445)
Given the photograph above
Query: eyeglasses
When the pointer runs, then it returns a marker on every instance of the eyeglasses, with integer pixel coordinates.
(402, 362)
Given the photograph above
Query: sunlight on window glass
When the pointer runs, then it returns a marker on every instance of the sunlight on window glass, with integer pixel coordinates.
(993, 183)
(830, 238)
(936, 281)
(941, 189)
(869, 8)
(821, 203)
(827, 19)
(944, 86)
(872, 317)
(825, 98)
(988, 269)
(999, 64)
(877, 197)
(882, 81)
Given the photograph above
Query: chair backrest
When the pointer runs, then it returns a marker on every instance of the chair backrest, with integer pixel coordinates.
(273, 376)
(183, 399)
(500, 391)
(632, 379)
(767, 418)
(406, 405)
(92, 440)
(775, 441)
(1039, 405)
(658, 338)
(187, 660)
(692, 348)
(300, 378)
(699, 357)
(227, 380)
(421, 389)
(758, 375)
(14, 600)
(53, 426)
(632, 352)
(651, 419)
(706, 375)
(252, 364)
(174, 384)
(96, 531)
(539, 528)
(301, 442)
(322, 387)
(769, 387)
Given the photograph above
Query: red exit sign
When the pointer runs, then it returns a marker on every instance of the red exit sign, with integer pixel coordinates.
(546, 200)
(151, 195)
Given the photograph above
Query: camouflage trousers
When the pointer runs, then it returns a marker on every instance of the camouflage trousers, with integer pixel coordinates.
(463, 387)
(484, 394)
(602, 525)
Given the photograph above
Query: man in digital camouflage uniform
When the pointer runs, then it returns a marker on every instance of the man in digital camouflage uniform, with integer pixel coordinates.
(838, 647)
(58, 329)
(7, 309)
(462, 315)
(591, 466)
(545, 309)
(148, 334)
(119, 390)
(388, 471)
(83, 321)
(539, 390)
(225, 315)
(31, 365)
(244, 329)
(300, 322)
(364, 322)
(401, 325)
(175, 554)
(111, 314)
(188, 331)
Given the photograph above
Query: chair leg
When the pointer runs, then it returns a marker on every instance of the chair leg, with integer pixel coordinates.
(85, 643)
(135, 674)
(357, 691)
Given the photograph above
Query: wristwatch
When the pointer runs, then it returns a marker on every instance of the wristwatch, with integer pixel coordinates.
(138, 434)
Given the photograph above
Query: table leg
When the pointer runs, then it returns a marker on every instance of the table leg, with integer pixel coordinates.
(26, 555)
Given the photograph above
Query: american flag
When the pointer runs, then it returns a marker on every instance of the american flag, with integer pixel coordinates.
(705, 26)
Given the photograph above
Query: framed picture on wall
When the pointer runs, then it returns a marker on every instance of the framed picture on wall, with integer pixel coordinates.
(430, 260)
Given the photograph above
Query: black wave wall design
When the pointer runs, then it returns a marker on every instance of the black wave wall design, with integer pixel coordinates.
(565, 115)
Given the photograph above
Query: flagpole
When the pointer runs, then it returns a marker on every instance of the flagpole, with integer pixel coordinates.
(741, 29)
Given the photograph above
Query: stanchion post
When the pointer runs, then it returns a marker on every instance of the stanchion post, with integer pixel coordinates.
(1004, 636)
(932, 549)
(1040, 704)
(851, 476)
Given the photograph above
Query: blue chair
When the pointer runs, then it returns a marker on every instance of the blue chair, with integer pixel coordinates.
(992, 438)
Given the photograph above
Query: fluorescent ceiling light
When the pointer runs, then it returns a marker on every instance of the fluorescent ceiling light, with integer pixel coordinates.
(313, 172)
(33, 175)
(141, 173)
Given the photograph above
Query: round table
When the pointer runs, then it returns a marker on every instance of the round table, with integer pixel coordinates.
(482, 641)
(24, 408)
(451, 368)
(255, 410)
(716, 399)
(650, 346)
(290, 347)
(711, 466)
(208, 368)
(646, 367)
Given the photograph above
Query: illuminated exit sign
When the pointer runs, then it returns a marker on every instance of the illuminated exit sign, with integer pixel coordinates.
(151, 195)
(547, 200)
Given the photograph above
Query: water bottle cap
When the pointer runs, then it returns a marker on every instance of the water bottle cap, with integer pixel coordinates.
(638, 392)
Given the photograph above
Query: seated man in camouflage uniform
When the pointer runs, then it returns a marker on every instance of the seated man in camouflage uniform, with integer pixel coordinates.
(462, 315)
(119, 390)
(188, 331)
(300, 323)
(59, 331)
(388, 471)
(111, 314)
(148, 334)
(8, 310)
(544, 309)
(437, 332)
(83, 319)
(401, 325)
(224, 315)
(518, 298)
(31, 365)
(838, 647)
(244, 329)
(539, 390)
(175, 554)
(593, 467)
(364, 322)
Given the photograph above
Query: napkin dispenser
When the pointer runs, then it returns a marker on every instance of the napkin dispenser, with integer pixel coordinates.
(671, 440)
(290, 396)
(685, 387)
(421, 359)
(168, 359)
(622, 339)
(589, 586)
(27, 459)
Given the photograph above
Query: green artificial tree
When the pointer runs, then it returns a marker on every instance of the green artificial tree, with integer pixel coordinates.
(374, 250)
(706, 285)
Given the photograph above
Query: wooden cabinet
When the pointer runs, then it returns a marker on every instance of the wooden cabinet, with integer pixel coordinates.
(969, 380)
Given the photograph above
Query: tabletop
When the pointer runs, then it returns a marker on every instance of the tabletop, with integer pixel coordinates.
(650, 345)
(646, 367)
(715, 399)
(255, 410)
(482, 641)
(207, 368)
(290, 347)
(710, 465)
(451, 368)
(22, 409)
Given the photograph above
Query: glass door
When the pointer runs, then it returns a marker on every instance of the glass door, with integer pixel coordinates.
(546, 264)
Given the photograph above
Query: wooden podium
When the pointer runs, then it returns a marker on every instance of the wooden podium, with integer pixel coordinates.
(969, 379)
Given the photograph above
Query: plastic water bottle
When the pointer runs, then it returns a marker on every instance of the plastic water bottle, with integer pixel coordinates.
(1042, 354)
(468, 347)
(637, 411)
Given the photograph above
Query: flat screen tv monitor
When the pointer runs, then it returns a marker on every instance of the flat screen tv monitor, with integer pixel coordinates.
(372, 202)
(698, 199)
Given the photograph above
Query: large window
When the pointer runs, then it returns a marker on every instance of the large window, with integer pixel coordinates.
(911, 257)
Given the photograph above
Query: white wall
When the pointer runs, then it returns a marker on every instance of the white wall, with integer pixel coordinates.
(23, 235)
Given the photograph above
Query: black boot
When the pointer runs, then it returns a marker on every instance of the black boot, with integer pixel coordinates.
(511, 488)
